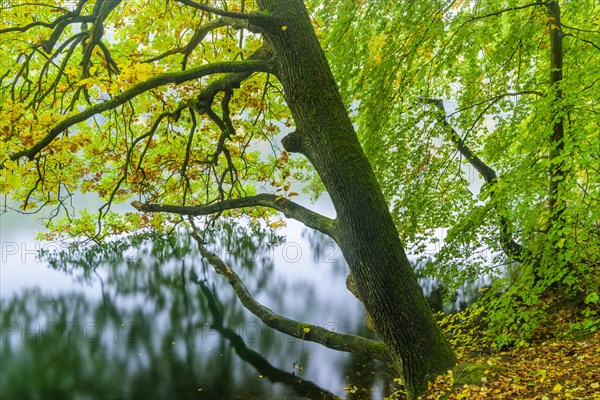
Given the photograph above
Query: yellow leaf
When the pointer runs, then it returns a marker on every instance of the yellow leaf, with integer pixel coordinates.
(87, 82)
(595, 385)
(306, 329)
(14, 181)
(552, 26)
(284, 27)
(557, 388)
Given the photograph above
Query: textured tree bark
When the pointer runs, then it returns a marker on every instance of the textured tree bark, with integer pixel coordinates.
(364, 230)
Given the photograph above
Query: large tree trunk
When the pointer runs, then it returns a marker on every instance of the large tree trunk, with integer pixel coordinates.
(364, 229)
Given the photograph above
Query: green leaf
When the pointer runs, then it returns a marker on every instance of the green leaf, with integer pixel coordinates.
(592, 298)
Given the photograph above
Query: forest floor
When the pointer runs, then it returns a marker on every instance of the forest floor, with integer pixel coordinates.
(557, 369)
(548, 368)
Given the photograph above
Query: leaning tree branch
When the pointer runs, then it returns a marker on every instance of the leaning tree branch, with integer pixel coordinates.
(258, 19)
(312, 333)
(233, 80)
(302, 387)
(510, 247)
(246, 66)
(290, 209)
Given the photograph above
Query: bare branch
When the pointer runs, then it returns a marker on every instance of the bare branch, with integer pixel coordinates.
(312, 333)
(288, 208)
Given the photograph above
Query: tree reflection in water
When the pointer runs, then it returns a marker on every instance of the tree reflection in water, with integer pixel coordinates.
(163, 325)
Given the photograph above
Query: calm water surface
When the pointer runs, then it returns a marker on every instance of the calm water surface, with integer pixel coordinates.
(149, 319)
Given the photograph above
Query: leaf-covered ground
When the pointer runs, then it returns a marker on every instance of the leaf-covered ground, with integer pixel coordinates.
(562, 361)
(558, 369)
(557, 359)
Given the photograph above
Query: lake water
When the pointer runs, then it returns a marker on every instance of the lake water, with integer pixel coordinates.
(151, 320)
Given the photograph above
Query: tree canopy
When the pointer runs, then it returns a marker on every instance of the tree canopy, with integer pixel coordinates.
(479, 119)
(489, 110)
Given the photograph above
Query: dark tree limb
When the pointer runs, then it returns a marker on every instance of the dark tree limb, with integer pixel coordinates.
(288, 208)
(247, 66)
(233, 80)
(258, 19)
(511, 247)
(58, 24)
(302, 387)
(101, 11)
(557, 170)
(312, 333)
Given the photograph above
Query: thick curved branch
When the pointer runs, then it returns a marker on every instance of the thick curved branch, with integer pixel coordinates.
(258, 19)
(488, 174)
(247, 66)
(300, 330)
(48, 45)
(101, 11)
(231, 81)
(199, 35)
(302, 387)
(512, 249)
(288, 208)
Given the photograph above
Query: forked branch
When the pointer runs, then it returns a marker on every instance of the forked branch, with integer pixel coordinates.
(290, 209)
(258, 19)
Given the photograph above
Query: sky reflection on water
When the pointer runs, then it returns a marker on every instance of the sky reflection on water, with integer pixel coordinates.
(141, 322)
